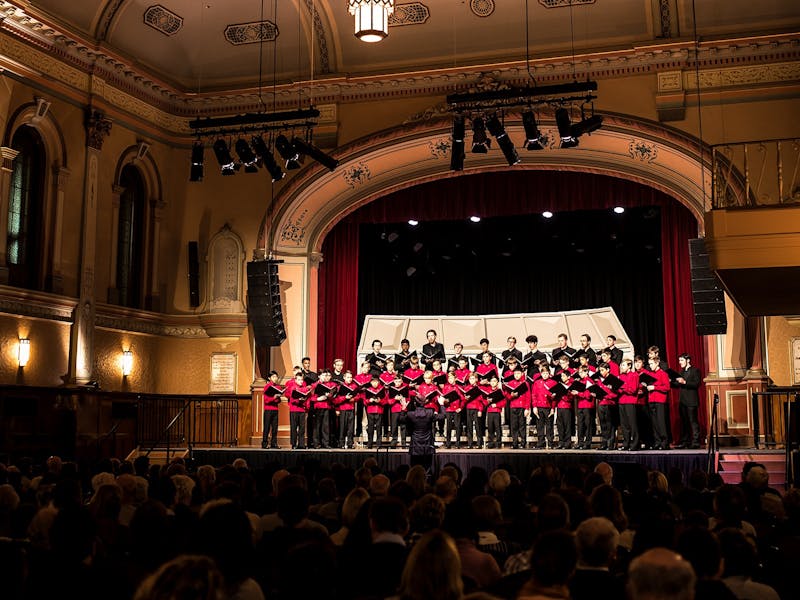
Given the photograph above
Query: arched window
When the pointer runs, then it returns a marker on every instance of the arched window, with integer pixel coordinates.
(25, 208)
(130, 239)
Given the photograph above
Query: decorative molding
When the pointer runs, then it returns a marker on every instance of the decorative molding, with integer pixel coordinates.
(97, 128)
(38, 305)
(745, 75)
(314, 259)
(150, 323)
(481, 8)
(440, 148)
(163, 20)
(294, 231)
(413, 13)
(322, 41)
(357, 175)
(670, 81)
(644, 151)
(666, 21)
(251, 33)
(564, 3)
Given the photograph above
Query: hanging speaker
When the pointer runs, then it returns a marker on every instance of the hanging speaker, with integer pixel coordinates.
(264, 302)
(708, 297)
(194, 275)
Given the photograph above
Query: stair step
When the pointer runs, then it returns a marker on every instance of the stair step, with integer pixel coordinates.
(159, 456)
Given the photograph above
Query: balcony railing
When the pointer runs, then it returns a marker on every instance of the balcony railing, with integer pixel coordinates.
(757, 173)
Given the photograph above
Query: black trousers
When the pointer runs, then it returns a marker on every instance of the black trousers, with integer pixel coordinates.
(658, 416)
(645, 422)
(474, 426)
(518, 427)
(544, 426)
(270, 426)
(690, 427)
(394, 419)
(322, 427)
(297, 429)
(495, 431)
(564, 420)
(346, 428)
(310, 419)
(374, 428)
(453, 420)
(359, 418)
(630, 426)
(608, 428)
(585, 427)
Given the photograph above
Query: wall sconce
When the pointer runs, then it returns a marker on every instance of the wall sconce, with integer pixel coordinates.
(24, 351)
(127, 363)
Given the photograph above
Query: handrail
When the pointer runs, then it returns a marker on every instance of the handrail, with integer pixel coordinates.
(168, 427)
(713, 437)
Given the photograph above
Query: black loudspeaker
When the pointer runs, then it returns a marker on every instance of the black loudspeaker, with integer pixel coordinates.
(264, 302)
(708, 296)
(194, 275)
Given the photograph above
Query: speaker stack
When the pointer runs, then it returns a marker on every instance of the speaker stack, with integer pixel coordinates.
(264, 302)
(708, 296)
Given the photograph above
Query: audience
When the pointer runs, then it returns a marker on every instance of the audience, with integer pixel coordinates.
(116, 530)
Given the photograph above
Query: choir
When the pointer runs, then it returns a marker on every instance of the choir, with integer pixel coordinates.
(477, 395)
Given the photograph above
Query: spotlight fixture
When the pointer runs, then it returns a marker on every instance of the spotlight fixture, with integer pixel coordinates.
(506, 145)
(457, 151)
(247, 156)
(534, 140)
(547, 214)
(587, 125)
(309, 149)
(480, 143)
(23, 352)
(413, 222)
(619, 209)
(267, 158)
(196, 170)
(287, 152)
(475, 219)
(371, 18)
(224, 158)
(127, 363)
(568, 140)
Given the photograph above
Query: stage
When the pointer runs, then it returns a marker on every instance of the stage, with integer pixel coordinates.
(520, 462)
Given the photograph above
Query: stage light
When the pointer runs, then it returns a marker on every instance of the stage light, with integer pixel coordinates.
(127, 363)
(534, 140)
(371, 18)
(547, 214)
(589, 125)
(287, 152)
(318, 155)
(568, 140)
(619, 209)
(496, 128)
(196, 169)
(457, 151)
(224, 158)
(247, 156)
(475, 219)
(413, 222)
(480, 143)
(410, 271)
(267, 158)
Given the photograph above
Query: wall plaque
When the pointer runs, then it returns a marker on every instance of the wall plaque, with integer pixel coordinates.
(223, 373)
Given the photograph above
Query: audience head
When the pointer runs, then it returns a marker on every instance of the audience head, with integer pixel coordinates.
(427, 513)
(499, 481)
(433, 570)
(446, 489)
(730, 504)
(553, 513)
(597, 540)
(553, 559)
(701, 548)
(352, 504)
(388, 515)
(606, 501)
(738, 553)
(379, 485)
(487, 513)
(418, 479)
(660, 574)
(186, 577)
(605, 471)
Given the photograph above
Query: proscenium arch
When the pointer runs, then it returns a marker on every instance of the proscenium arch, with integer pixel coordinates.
(626, 147)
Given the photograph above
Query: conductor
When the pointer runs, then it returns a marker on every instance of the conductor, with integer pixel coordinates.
(419, 422)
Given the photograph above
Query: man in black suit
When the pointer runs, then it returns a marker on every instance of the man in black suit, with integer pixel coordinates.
(562, 348)
(419, 422)
(432, 350)
(512, 350)
(534, 358)
(616, 353)
(688, 402)
(585, 350)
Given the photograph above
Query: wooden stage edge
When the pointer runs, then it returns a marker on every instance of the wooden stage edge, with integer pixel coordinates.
(520, 462)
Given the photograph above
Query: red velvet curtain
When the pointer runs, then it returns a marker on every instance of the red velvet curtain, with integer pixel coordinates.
(505, 194)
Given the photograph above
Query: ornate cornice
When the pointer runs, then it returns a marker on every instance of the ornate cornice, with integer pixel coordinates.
(35, 46)
(140, 321)
(39, 305)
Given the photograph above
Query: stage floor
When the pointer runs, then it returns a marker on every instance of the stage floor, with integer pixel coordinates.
(520, 462)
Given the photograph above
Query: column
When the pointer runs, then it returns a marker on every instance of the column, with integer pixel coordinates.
(60, 176)
(82, 341)
(153, 298)
(113, 292)
(7, 156)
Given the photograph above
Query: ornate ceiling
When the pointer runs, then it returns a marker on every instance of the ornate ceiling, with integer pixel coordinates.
(187, 56)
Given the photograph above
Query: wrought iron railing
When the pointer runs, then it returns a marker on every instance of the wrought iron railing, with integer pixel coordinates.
(757, 173)
(780, 409)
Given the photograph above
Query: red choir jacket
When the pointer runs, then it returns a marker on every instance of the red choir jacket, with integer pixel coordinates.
(660, 393)
(452, 405)
(387, 378)
(508, 375)
(585, 399)
(485, 371)
(392, 401)
(610, 398)
(328, 390)
(412, 373)
(342, 401)
(462, 375)
(426, 392)
(613, 368)
(272, 402)
(477, 403)
(495, 407)
(295, 404)
(518, 399)
(541, 396)
(375, 406)
(629, 392)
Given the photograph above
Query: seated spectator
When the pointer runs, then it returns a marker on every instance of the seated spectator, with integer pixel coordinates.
(606, 501)
(478, 569)
(499, 481)
(596, 540)
(418, 479)
(488, 516)
(432, 570)
(730, 505)
(740, 559)
(187, 577)
(379, 485)
(352, 504)
(446, 488)
(427, 514)
(660, 574)
(552, 564)
(701, 548)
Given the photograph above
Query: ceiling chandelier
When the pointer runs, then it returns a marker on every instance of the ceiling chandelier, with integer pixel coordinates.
(371, 18)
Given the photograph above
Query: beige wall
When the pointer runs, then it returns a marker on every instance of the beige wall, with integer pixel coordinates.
(780, 332)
